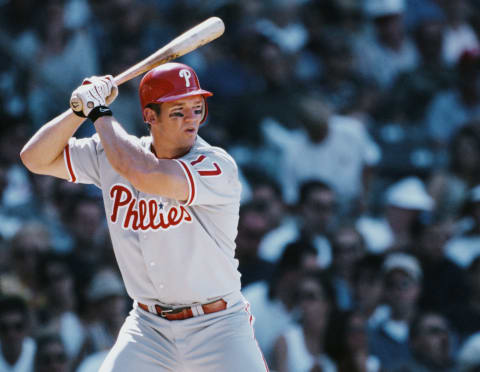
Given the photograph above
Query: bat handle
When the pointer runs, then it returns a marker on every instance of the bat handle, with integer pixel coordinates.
(131, 73)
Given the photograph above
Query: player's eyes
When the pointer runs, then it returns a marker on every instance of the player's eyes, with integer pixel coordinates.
(179, 114)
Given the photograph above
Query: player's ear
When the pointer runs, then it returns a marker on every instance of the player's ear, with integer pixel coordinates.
(149, 115)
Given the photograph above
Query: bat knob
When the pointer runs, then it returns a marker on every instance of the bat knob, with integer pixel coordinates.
(76, 104)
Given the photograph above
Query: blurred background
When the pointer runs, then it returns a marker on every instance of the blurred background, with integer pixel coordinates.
(356, 128)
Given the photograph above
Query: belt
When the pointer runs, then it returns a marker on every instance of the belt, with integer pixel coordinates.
(186, 312)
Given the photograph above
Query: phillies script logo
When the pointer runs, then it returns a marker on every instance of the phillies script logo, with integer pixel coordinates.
(144, 214)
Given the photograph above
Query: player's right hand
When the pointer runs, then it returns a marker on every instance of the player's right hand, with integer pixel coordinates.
(95, 91)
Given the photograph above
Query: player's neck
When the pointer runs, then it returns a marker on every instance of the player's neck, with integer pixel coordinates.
(164, 150)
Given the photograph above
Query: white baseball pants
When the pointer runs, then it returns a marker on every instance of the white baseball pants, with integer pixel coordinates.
(218, 342)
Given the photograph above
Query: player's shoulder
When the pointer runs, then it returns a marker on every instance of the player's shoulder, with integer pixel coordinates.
(91, 143)
(203, 149)
(145, 141)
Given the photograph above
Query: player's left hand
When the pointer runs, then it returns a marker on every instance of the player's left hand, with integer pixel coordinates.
(95, 91)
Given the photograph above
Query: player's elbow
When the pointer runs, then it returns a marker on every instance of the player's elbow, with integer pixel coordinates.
(28, 160)
(34, 163)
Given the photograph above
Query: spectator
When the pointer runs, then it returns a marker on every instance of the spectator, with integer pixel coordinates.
(267, 192)
(403, 277)
(284, 26)
(17, 348)
(301, 348)
(339, 84)
(315, 216)
(25, 249)
(19, 41)
(252, 226)
(59, 314)
(66, 52)
(282, 223)
(466, 318)
(443, 281)
(278, 85)
(368, 290)
(449, 187)
(50, 355)
(108, 303)
(404, 203)
(452, 109)
(347, 342)
(464, 247)
(416, 88)
(430, 344)
(9, 224)
(44, 207)
(469, 354)
(347, 248)
(85, 224)
(389, 51)
(459, 36)
(273, 303)
(339, 145)
(16, 191)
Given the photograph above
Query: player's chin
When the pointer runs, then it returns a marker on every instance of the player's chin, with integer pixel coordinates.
(190, 136)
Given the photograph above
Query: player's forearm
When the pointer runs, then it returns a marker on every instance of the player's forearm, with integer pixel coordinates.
(48, 143)
(140, 167)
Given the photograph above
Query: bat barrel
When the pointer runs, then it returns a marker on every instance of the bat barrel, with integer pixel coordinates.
(201, 34)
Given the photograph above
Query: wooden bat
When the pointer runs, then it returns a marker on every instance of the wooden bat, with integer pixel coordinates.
(199, 35)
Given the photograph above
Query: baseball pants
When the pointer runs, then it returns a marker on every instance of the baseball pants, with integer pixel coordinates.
(218, 342)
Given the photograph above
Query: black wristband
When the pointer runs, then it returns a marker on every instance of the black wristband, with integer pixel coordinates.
(98, 112)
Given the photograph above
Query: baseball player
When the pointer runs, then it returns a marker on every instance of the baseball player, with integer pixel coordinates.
(172, 204)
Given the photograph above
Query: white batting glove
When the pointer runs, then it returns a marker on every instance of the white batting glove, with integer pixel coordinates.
(95, 91)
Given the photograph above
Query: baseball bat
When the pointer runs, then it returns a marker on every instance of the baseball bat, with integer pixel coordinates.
(195, 37)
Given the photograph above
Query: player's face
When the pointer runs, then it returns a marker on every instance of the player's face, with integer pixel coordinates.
(179, 120)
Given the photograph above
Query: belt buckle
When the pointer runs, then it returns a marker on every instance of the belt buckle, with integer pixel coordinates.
(164, 312)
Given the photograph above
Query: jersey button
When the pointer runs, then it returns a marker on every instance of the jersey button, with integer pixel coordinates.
(152, 263)
(161, 286)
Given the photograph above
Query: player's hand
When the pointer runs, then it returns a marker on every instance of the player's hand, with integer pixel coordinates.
(95, 91)
(113, 91)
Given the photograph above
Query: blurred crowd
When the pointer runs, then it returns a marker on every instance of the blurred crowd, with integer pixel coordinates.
(356, 128)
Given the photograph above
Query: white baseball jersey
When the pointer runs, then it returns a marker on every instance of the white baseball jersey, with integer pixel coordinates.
(169, 252)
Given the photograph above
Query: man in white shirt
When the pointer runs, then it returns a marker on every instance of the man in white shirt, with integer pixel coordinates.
(17, 349)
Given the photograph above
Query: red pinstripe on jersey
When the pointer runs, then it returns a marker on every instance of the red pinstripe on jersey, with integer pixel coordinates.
(191, 183)
(68, 162)
(198, 160)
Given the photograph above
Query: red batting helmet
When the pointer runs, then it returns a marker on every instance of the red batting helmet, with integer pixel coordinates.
(169, 82)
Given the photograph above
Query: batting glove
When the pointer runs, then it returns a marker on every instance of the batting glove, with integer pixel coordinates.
(95, 91)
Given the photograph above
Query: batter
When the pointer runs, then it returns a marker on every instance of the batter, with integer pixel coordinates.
(172, 203)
